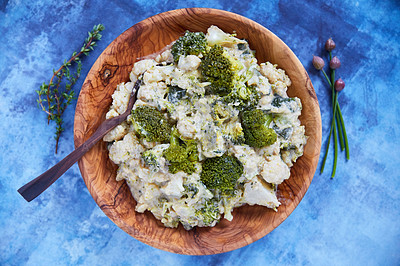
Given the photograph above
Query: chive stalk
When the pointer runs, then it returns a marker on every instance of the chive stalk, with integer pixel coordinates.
(337, 129)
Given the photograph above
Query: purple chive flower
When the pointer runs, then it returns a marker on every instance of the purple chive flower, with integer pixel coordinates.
(334, 63)
(318, 62)
(339, 84)
(330, 45)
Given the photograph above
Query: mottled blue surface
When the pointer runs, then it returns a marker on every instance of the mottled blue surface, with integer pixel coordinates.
(353, 219)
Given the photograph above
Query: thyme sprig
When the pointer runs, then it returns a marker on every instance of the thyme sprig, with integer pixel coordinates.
(337, 124)
(55, 96)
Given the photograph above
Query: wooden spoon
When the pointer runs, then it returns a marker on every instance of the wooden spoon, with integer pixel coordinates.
(35, 187)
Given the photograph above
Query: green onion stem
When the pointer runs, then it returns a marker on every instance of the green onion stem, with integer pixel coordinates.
(337, 125)
(330, 131)
(341, 121)
(340, 131)
(334, 104)
(333, 127)
(344, 132)
(330, 84)
(335, 150)
(327, 148)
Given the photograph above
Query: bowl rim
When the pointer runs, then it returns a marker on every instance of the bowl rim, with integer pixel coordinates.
(166, 246)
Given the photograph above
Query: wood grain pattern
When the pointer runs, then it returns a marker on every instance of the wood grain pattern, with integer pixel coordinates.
(250, 223)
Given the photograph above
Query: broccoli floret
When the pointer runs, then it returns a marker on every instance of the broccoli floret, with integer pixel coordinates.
(217, 69)
(185, 166)
(175, 94)
(221, 173)
(151, 124)
(181, 154)
(209, 213)
(255, 127)
(245, 97)
(192, 43)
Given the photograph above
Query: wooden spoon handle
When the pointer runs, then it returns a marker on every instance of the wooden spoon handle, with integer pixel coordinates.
(35, 187)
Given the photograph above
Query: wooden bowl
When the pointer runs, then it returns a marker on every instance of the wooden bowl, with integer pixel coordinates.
(250, 223)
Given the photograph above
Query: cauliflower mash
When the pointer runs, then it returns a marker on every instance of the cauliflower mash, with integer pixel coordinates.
(211, 130)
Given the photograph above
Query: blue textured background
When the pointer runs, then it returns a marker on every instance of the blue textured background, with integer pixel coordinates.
(350, 220)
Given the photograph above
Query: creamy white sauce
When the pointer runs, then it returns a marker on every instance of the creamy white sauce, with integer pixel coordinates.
(179, 198)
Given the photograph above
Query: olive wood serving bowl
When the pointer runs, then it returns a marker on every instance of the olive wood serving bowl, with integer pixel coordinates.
(250, 223)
